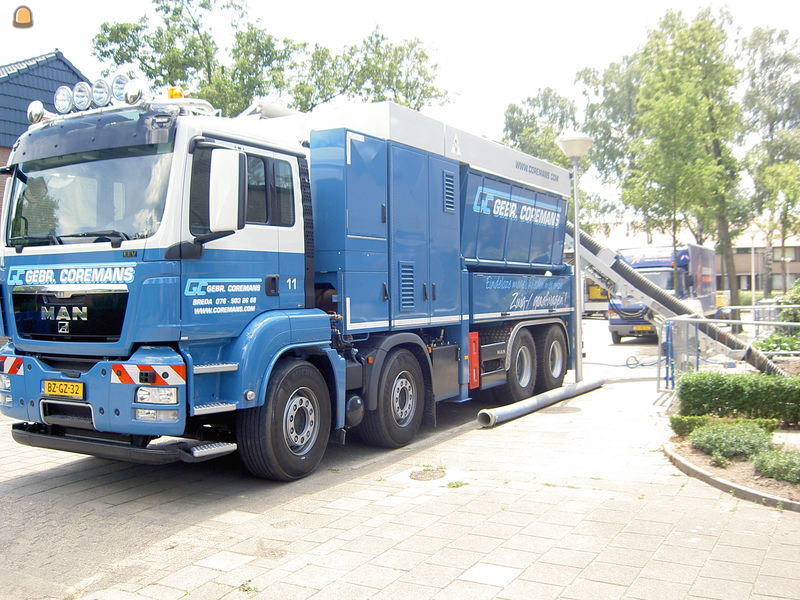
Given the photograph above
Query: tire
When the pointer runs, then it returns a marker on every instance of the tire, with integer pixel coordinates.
(401, 403)
(615, 337)
(271, 443)
(551, 354)
(522, 368)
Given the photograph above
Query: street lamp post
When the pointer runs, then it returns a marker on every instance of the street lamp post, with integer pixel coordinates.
(575, 146)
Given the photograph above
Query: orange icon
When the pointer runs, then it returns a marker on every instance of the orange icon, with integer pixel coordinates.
(23, 17)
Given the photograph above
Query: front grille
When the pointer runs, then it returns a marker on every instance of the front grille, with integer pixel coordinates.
(68, 414)
(87, 316)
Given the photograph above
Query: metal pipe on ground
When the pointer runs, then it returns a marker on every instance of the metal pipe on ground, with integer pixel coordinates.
(489, 417)
(752, 355)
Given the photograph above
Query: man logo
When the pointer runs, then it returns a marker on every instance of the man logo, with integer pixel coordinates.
(79, 313)
(23, 17)
(63, 327)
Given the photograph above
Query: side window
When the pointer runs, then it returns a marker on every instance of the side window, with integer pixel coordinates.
(270, 192)
(198, 191)
(256, 190)
(281, 194)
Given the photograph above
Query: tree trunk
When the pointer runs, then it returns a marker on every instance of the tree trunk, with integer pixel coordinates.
(727, 258)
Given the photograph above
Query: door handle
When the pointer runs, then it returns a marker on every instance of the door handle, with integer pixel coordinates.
(272, 287)
(386, 296)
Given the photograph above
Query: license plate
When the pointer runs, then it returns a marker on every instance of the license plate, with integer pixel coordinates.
(642, 328)
(62, 389)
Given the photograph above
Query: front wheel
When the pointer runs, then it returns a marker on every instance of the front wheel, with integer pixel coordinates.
(615, 337)
(401, 400)
(285, 438)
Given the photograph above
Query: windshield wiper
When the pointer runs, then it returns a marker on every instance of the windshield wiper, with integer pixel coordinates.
(18, 241)
(110, 233)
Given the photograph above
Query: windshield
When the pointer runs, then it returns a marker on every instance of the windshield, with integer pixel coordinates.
(662, 279)
(99, 196)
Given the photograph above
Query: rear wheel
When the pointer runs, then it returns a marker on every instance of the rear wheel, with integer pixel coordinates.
(285, 438)
(522, 369)
(551, 350)
(401, 399)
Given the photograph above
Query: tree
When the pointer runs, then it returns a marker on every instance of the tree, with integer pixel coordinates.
(182, 51)
(374, 70)
(535, 126)
(687, 121)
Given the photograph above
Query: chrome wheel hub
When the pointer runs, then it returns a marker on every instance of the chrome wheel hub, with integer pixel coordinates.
(300, 424)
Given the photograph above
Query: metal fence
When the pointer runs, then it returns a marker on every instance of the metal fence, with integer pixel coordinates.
(683, 348)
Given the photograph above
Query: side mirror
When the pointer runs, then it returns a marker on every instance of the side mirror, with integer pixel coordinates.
(227, 190)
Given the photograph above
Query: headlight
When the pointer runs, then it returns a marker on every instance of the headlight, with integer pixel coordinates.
(5, 399)
(157, 395)
(118, 87)
(63, 99)
(101, 93)
(151, 414)
(82, 95)
(5, 383)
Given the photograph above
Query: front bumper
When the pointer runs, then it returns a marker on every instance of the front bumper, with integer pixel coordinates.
(107, 400)
(116, 447)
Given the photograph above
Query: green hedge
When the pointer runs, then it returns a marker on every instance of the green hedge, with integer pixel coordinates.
(724, 440)
(683, 426)
(783, 465)
(740, 395)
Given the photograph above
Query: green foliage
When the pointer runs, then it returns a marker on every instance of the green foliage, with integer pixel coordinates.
(780, 342)
(729, 441)
(740, 395)
(684, 425)
(535, 126)
(182, 49)
(783, 465)
(718, 460)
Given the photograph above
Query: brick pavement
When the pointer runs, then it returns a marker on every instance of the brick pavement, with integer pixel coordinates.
(575, 501)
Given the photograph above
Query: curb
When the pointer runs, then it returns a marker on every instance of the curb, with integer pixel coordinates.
(738, 491)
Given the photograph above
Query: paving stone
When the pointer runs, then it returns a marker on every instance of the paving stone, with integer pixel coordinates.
(551, 574)
(225, 561)
(778, 587)
(655, 589)
(467, 590)
(670, 571)
(585, 589)
(530, 590)
(610, 573)
(490, 574)
(720, 588)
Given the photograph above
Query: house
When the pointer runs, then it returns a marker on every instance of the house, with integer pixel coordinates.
(21, 83)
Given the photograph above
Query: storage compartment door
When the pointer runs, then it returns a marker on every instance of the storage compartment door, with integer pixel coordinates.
(444, 260)
(408, 254)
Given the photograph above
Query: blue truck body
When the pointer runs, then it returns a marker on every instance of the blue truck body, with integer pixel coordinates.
(687, 272)
(387, 264)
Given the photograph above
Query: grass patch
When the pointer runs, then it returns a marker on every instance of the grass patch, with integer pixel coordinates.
(729, 441)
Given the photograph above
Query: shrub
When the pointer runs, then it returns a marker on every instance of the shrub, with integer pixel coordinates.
(783, 465)
(740, 395)
(780, 342)
(683, 426)
(731, 440)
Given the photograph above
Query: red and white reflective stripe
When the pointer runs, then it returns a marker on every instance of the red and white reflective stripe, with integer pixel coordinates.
(163, 374)
(11, 365)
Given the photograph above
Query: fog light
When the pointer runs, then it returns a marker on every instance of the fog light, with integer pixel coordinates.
(5, 383)
(157, 395)
(5, 399)
(158, 416)
(82, 95)
(63, 99)
(101, 93)
(118, 87)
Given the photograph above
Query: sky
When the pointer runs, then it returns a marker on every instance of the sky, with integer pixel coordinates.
(488, 54)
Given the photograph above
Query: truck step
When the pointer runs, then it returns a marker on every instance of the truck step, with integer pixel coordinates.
(215, 368)
(208, 451)
(216, 407)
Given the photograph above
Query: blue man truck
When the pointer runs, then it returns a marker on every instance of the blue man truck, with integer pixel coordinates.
(686, 272)
(178, 286)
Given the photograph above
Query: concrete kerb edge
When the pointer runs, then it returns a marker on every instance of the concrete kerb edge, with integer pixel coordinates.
(739, 491)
